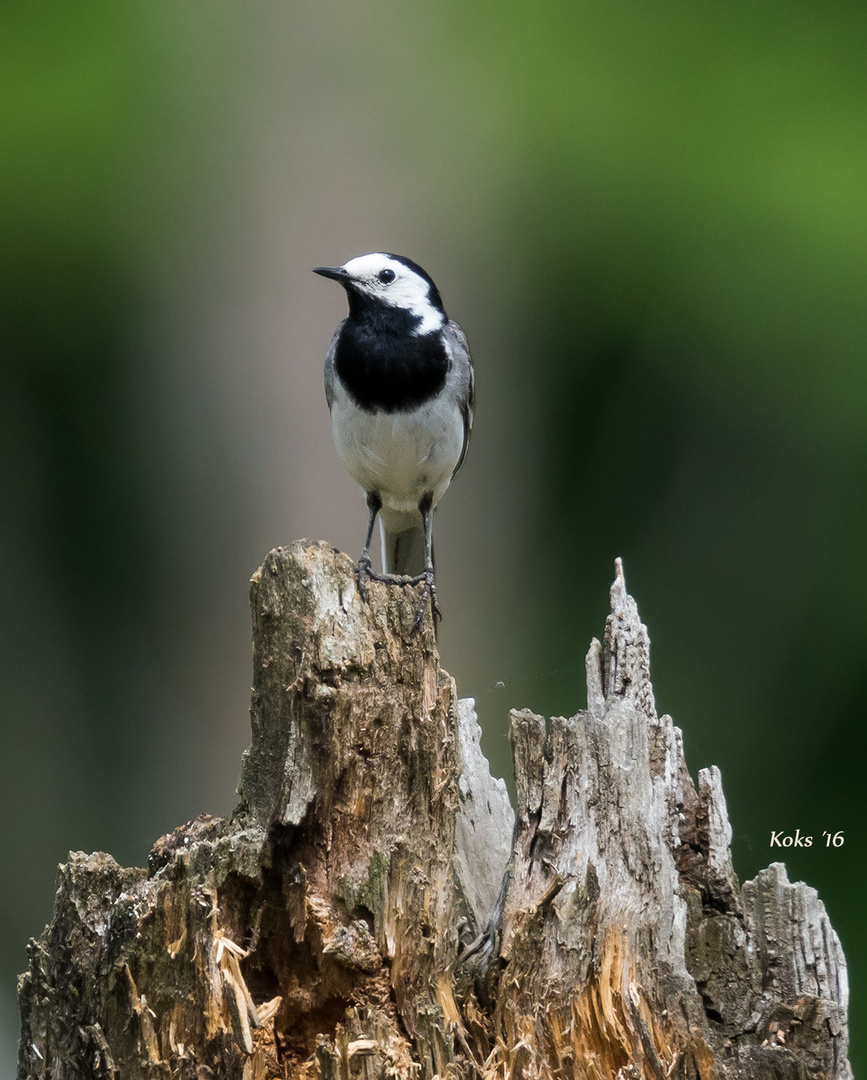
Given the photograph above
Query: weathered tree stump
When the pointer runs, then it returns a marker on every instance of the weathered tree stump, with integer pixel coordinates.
(374, 907)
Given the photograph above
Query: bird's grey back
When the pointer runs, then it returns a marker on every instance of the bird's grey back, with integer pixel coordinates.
(461, 378)
(329, 364)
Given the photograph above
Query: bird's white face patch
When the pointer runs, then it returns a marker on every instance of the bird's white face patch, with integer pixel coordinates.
(405, 290)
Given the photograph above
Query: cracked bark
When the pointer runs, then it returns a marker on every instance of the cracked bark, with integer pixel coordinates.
(374, 907)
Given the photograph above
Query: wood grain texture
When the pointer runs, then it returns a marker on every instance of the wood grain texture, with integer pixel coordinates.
(375, 908)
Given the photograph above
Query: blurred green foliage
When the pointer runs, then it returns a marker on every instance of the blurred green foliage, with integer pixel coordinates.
(655, 220)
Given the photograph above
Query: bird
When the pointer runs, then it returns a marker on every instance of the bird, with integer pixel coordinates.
(400, 389)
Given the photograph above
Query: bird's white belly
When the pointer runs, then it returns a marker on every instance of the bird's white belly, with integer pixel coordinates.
(402, 456)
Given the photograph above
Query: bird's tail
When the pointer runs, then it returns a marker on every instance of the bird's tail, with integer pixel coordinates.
(402, 552)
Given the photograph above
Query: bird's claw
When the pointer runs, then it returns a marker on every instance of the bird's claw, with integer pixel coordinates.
(363, 574)
(430, 590)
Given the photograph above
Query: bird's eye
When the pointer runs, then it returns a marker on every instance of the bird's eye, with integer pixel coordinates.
(386, 276)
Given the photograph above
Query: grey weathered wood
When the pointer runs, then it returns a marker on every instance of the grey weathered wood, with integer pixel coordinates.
(484, 825)
(626, 940)
(374, 907)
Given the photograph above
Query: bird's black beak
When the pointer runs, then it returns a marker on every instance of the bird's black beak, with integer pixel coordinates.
(336, 273)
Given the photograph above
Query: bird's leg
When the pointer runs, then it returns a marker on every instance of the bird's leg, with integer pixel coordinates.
(427, 577)
(363, 571)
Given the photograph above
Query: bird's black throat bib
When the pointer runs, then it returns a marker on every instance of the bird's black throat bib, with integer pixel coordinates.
(383, 365)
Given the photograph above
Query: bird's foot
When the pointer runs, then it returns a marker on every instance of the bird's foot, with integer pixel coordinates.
(364, 572)
(430, 590)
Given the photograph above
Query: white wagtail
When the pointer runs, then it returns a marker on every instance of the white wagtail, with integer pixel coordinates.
(399, 384)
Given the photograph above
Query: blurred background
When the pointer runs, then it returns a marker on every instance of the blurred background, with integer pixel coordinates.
(651, 220)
